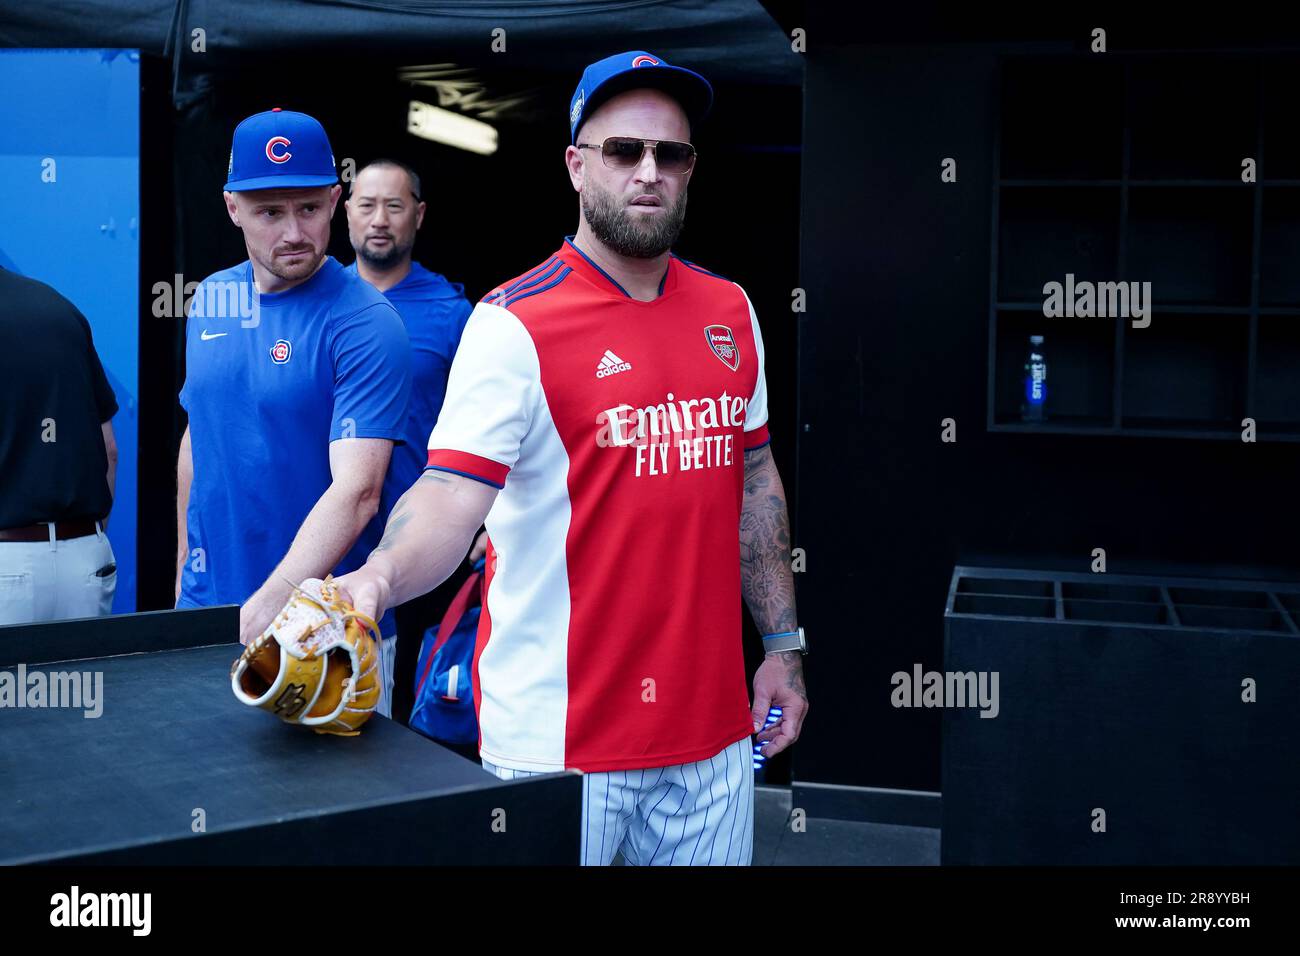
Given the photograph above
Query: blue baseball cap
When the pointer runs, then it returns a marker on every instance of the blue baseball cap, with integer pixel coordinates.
(633, 70)
(280, 149)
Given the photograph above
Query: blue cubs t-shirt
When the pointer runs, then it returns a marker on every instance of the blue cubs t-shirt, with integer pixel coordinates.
(270, 381)
(435, 312)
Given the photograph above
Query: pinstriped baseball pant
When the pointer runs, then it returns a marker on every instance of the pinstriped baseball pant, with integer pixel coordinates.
(690, 814)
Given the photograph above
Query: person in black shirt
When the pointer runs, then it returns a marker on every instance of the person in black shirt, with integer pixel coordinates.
(58, 459)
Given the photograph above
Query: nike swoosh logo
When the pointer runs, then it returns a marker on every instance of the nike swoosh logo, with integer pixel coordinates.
(215, 335)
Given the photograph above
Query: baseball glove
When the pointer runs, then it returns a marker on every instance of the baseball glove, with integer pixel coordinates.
(317, 665)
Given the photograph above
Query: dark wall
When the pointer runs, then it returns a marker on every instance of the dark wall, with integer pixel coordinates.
(161, 345)
(895, 339)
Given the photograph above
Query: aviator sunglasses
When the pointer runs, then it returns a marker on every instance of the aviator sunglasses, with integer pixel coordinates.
(624, 152)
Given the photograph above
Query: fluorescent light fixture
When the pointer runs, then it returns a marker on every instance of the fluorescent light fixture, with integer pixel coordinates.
(453, 129)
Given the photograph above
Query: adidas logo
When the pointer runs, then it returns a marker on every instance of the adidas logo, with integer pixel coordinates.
(611, 364)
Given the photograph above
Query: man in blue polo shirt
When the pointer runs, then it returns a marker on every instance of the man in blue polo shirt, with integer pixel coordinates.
(384, 213)
(297, 383)
(385, 210)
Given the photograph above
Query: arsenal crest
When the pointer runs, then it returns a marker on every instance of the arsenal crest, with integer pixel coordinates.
(723, 344)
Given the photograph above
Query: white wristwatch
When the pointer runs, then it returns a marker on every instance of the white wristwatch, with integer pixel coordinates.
(786, 641)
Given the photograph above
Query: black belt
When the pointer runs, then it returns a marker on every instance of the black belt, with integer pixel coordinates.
(41, 532)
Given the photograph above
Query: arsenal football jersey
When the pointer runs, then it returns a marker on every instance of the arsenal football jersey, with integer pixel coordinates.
(610, 637)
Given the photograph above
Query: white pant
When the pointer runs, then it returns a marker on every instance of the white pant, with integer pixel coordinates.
(387, 654)
(55, 580)
(690, 814)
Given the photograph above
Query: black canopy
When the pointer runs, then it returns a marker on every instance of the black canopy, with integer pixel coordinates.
(728, 40)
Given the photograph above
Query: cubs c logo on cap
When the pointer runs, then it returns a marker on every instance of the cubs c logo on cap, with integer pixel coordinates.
(624, 71)
(271, 153)
(281, 351)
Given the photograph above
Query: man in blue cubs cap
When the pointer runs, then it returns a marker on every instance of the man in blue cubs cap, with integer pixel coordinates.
(297, 382)
(671, 98)
(637, 69)
(627, 515)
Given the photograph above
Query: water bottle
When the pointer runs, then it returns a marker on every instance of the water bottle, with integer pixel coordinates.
(1034, 408)
(760, 761)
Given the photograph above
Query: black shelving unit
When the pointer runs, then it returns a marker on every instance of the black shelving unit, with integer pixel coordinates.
(1122, 168)
(1123, 693)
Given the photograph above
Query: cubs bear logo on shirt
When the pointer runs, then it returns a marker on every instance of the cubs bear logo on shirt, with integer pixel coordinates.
(281, 351)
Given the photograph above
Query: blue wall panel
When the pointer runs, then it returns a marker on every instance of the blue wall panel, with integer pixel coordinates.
(79, 232)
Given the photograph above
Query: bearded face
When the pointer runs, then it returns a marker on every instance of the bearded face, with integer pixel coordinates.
(286, 231)
(641, 226)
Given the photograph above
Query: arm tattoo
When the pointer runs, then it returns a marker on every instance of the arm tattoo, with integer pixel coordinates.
(793, 663)
(393, 529)
(766, 576)
(401, 512)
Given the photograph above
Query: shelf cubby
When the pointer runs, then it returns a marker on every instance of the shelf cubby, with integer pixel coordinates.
(1084, 384)
(1279, 259)
(1050, 231)
(1032, 135)
(1152, 193)
(1186, 369)
(1277, 402)
(1192, 118)
(1192, 244)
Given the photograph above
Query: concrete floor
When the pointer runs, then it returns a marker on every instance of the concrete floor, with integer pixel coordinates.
(832, 842)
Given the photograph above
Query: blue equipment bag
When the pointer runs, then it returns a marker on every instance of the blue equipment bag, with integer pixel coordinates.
(444, 694)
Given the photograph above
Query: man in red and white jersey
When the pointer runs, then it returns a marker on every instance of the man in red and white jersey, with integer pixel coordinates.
(607, 413)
